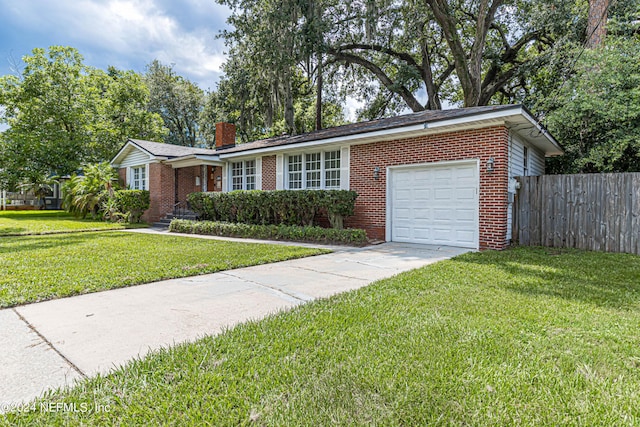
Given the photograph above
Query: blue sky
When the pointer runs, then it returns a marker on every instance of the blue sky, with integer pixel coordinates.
(127, 34)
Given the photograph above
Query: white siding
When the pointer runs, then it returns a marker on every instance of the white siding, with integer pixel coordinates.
(135, 158)
(535, 167)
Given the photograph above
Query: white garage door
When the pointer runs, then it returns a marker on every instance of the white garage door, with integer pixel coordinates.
(435, 204)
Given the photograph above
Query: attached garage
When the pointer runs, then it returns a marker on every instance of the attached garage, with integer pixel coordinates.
(434, 204)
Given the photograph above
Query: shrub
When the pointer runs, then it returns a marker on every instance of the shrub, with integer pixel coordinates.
(348, 236)
(287, 207)
(126, 205)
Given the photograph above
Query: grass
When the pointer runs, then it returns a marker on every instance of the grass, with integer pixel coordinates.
(20, 223)
(522, 337)
(36, 268)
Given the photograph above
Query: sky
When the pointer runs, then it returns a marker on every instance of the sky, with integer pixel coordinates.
(127, 34)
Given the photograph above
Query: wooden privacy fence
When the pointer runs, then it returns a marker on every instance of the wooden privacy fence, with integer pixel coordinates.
(599, 212)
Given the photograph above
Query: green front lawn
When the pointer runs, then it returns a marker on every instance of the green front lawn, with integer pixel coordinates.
(522, 337)
(36, 268)
(19, 223)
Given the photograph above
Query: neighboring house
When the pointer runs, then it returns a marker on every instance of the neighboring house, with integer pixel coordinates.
(433, 177)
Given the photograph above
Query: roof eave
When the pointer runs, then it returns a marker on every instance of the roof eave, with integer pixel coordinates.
(477, 120)
(194, 160)
(115, 162)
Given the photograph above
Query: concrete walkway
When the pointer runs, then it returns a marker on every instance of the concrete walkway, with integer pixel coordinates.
(52, 344)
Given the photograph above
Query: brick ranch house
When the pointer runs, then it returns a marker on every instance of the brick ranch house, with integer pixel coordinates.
(433, 177)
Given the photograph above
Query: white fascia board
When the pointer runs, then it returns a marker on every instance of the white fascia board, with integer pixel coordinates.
(544, 133)
(193, 160)
(347, 139)
(115, 162)
(460, 123)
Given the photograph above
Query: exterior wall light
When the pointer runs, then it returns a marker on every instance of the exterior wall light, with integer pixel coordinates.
(376, 173)
(491, 164)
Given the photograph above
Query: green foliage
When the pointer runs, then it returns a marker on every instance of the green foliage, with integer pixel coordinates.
(295, 233)
(37, 268)
(62, 113)
(84, 194)
(596, 113)
(246, 98)
(274, 207)
(179, 102)
(388, 54)
(127, 205)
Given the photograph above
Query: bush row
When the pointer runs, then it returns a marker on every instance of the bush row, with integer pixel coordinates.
(288, 207)
(349, 236)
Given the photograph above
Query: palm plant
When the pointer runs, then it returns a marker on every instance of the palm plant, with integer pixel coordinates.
(85, 194)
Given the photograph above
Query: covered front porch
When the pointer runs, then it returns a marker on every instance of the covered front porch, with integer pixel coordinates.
(178, 178)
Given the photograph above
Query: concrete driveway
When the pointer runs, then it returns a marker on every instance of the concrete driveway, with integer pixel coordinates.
(51, 344)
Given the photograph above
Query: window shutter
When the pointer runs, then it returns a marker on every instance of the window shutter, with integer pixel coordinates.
(259, 173)
(223, 175)
(280, 172)
(344, 168)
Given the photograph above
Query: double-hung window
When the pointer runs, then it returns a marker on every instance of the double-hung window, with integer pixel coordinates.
(313, 171)
(138, 180)
(243, 175)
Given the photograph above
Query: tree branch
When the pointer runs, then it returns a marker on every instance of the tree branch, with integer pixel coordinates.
(401, 90)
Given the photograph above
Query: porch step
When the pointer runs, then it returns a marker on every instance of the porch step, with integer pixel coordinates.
(183, 214)
(163, 223)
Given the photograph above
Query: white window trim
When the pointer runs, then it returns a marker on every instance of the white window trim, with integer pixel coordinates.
(284, 176)
(145, 182)
(257, 167)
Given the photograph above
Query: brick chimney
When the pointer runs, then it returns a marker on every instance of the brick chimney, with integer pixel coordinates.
(225, 135)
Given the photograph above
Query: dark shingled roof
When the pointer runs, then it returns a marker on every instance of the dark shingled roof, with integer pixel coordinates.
(160, 149)
(364, 127)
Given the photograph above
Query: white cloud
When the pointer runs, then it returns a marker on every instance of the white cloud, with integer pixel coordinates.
(131, 32)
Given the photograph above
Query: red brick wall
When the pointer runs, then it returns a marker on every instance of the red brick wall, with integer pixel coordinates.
(161, 192)
(225, 134)
(464, 145)
(187, 181)
(269, 172)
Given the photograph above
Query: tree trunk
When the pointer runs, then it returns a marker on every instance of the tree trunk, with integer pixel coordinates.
(319, 95)
(597, 23)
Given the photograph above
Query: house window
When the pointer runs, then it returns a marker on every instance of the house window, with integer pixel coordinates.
(332, 169)
(525, 160)
(295, 172)
(243, 175)
(138, 179)
(313, 165)
(319, 170)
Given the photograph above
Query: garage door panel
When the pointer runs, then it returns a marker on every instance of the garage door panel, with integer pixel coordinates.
(467, 216)
(402, 214)
(466, 194)
(443, 193)
(435, 204)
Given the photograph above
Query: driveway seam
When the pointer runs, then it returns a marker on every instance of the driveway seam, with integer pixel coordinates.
(271, 288)
(49, 343)
(338, 275)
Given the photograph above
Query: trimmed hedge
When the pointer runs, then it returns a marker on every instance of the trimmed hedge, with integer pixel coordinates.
(348, 236)
(289, 207)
